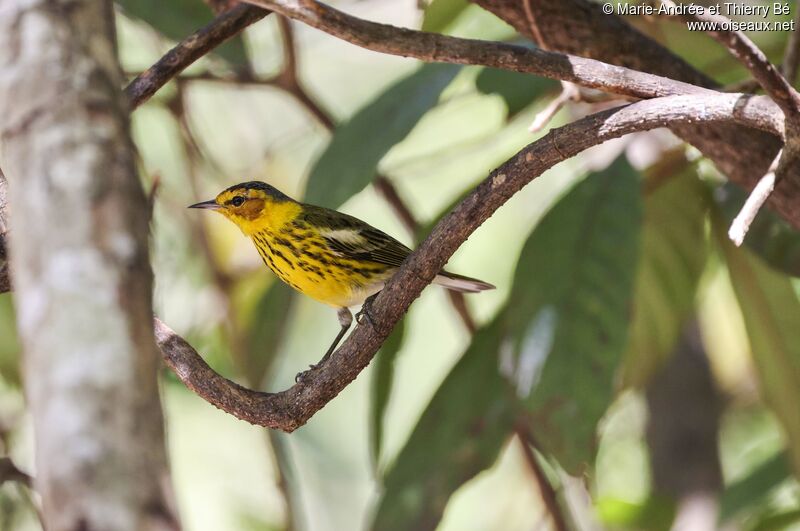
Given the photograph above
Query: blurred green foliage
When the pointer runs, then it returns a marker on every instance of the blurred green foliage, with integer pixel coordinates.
(569, 310)
(673, 258)
(350, 161)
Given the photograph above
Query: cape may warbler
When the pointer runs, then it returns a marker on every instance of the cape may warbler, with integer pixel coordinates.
(332, 257)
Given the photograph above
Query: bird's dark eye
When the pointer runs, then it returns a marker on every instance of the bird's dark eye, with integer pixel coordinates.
(237, 201)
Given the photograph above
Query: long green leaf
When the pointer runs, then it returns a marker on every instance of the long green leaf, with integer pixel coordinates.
(381, 388)
(570, 308)
(673, 256)
(460, 433)
(771, 312)
(350, 161)
(177, 19)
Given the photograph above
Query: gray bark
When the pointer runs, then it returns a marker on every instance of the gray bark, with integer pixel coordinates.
(80, 266)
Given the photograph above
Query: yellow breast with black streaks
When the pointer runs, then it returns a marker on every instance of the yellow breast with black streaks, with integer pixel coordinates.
(299, 255)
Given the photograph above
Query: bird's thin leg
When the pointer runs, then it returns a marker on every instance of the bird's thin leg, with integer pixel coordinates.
(345, 320)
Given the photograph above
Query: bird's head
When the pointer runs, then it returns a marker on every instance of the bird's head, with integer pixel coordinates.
(247, 204)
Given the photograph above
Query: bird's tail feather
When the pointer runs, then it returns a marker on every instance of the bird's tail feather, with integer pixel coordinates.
(461, 283)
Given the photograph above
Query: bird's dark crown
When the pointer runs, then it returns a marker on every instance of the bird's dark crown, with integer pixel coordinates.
(267, 189)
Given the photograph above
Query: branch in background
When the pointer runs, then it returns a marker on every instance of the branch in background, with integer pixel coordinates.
(754, 60)
(546, 490)
(684, 410)
(580, 27)
(432, 47)
(190, 49)
(290, 409)
(782, 93)
(791, 55)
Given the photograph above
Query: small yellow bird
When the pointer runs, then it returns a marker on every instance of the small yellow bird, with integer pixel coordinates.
(332, 257)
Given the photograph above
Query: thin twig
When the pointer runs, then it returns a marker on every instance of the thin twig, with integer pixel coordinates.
(791, 55)
(537, 34)
(756, 199)
(546, 490)
(190, 49)
(392, 197)
(236, 78)
(569, 92)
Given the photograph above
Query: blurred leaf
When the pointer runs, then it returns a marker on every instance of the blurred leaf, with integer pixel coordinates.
(654, 514)
(351, 159)
(752, 489)
(177, 19)
(770, 236)
(518, 90)
(673, 256)
(441, 13)
(771, 311)
(9, 344)
(460, 433)
(778, 521)
(266, 331)
(381, 387)
(570, 308)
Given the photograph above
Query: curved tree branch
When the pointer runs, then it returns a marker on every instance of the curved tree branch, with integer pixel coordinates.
(190, 49)
(290, 409)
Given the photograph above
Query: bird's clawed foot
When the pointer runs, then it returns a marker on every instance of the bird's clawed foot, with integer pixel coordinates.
(300, 376)
(365, 313)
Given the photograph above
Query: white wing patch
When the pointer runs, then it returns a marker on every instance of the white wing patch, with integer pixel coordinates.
(346, 236)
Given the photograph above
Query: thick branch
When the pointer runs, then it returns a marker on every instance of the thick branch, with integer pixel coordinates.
(290, 409)
(190, 49)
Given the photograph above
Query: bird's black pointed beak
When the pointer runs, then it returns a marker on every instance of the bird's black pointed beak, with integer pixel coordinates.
(210, 204)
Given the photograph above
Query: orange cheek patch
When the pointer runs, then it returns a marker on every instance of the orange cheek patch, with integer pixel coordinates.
(251, 209)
